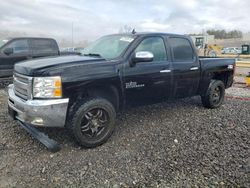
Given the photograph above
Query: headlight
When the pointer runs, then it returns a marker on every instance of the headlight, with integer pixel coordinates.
(47, 87)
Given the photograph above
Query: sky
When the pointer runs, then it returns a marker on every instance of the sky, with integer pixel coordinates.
(92, 19)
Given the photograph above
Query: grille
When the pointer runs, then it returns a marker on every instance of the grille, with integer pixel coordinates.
(22, 86)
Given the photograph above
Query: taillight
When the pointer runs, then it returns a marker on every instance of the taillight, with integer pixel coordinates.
(234, 69)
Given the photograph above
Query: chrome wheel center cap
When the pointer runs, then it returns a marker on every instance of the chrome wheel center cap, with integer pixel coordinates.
(94, 122)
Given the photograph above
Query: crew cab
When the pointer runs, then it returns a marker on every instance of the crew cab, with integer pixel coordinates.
(84, 93)
(20, 49)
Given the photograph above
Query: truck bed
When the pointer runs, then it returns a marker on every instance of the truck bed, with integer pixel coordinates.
(218, 63)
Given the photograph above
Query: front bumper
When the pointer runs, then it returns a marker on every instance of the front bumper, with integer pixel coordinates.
(45, 113)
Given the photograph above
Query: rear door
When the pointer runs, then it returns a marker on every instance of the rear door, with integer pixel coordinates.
(185, 67)
(148, 82)
(21, 52)
(43, 47)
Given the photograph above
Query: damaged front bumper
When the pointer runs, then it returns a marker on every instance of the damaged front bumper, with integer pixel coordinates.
(44, 113)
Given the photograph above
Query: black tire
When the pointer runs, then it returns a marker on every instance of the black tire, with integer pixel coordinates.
(215, 95)
(79, 114)
(212, 53)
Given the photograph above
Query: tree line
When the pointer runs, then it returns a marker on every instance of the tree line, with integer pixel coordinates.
(223, 34)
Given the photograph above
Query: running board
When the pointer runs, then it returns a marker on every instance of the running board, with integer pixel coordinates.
(51, 144)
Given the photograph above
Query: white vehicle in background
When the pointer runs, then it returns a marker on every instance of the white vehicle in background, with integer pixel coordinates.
(231, 50)
(68, 49)
(72, 50)
(2, 42)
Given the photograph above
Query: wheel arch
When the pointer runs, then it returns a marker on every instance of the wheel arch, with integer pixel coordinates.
(109, 92)
(225, 77)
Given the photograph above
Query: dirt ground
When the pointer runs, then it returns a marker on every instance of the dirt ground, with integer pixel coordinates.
(242, 71)
(173, 144)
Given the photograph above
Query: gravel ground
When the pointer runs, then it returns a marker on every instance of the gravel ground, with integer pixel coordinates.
(239, 92)
(242, 71)
(4, 82)
(173, 144)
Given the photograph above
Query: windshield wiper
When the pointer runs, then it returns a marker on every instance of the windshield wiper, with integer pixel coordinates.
(92, 54)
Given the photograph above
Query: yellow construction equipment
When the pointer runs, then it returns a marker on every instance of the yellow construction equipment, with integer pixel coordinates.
(213, 50)
(248, 79)
(210, 50)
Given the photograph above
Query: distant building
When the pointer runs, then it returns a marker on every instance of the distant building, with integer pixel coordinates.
(201, 40)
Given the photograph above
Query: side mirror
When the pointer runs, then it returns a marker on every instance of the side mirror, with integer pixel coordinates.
(8, 51)
(143, 56)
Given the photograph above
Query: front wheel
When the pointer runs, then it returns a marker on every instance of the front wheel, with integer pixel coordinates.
(214, 96)
(92, 122)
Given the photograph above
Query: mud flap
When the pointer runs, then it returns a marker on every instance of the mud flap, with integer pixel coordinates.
(51, 144)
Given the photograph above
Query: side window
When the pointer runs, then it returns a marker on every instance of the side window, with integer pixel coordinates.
(154, 45)
(182, 49)
(19, 46)
(43, 46)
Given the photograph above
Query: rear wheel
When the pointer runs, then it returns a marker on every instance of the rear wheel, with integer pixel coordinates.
(215, 94)
(92, 122)
(212, 53)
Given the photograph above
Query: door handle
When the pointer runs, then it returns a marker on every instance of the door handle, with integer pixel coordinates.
(165, 71)
(194, 68)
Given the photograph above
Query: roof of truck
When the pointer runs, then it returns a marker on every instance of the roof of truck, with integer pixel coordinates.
(149, 34)
(30, 38)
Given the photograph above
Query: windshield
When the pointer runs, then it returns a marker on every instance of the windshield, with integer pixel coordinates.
(108, 47)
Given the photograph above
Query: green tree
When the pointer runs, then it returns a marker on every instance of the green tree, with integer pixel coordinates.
(223, 34)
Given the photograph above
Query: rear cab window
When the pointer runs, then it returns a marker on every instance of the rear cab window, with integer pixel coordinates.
(44, 46)
(181, 49)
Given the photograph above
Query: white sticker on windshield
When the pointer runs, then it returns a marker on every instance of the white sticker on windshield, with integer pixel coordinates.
(126, 39)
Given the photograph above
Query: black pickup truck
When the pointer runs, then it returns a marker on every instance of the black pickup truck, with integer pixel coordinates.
(20, 49)
(84, 93)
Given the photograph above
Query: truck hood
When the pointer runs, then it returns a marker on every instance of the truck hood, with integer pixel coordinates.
(54, 65)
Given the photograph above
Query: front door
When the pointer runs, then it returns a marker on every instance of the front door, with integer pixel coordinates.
(20, 52)
(148, 82)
